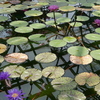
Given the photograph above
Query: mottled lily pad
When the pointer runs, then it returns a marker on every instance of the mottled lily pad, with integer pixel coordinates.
(1, 28)
(24, 29)
(76, 24)
(97, 30)
(3, 18)
(33, 13)
(3, 48)
(14, 70)
(51, 14)
(82, 18)
(95, 54)
(57, 43)
(37, 26)
(97, 88)
(78, 51)
(31, 74)
(5, 5)
(52, 72)
(69, 39)
(63, 83)
(1, 59)
(84, 60)
(19, 23)
(94, 37)
(16, 58)
(17, 40)
(37, 37)
(71, 95)
(96, 13)
(45, 57)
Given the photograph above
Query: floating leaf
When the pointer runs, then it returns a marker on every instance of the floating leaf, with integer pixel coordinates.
(3, 18)
(3, 48)
(17, 40)
(37, 37)
(16, 57)
(1, 59)
(78, 51)
(52, 15)
(1, 28)
(96, 7)
(97, 30)
(31, 74)
(95, 54)
(71, 95)
(69, 39)
(52, 72)
(51, 22)
(43, 3)
(76, 24)
(57, 43)
(20, 7)
(96, 13)
(45, 57)
(37, 26)
(82, 18)
(97, 88)
(3, 5)
(63, 83)
(19, 23)
(14, 70)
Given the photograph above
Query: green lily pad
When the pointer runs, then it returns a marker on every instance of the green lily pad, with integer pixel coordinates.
(78, 51)
(82, 18)
(17, 40)
(20, 7)
(94, 37)
(1, 28)
(87, 4)
(69, 39)
(67, 8)
(1, 59)
(19, 23)
(29, 3)
(97, 30)
(51, 22)
(43, 3)
(37, 26)
(5, 5)
(31, 74)
(24, 29)
(37, 37)
(33, 13)
(3, 48)
(63, 20)
(76, 24)
(57, 43)
(51, 14)
(45, 57)
(3, 18)
(14, 70)
(96, 13)
(53, 72)
(95, 54)
(71, 95)
(97, 88)
(63, 83)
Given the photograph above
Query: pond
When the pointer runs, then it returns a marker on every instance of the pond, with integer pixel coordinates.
(49, 50)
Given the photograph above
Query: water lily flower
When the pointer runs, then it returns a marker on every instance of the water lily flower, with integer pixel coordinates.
(15, 94)
(53, 7)
(97, 22)
(4, 76)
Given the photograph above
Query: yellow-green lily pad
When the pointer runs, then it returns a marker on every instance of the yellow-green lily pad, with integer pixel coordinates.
(96, 13)
(3, 48)
(76, 24)
(97, 30)
(97, 88)
(82, 18)
(1, 28)
(51, 14)
(3, 18)
(1, 59)
(69, 39)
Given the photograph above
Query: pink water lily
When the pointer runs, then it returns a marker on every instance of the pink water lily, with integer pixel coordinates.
(53, 7)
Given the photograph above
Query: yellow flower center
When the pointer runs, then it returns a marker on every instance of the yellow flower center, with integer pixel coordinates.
(14, 95)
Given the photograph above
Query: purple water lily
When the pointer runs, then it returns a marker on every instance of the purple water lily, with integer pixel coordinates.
(53, 7)
(4, 76)
(97, 22)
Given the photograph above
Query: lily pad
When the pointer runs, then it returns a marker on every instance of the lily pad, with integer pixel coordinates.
(51, 22)
(84, 60)
(45, 57)
(33, 13)
(3, 18)
(37, 26)
(76, 24)
(63, 83)
(97, 88)
(71, 95)
(69, 39)
(5, 5)
(57, 43)
(94, 37)
(97, 30)
(51, 14)
(95, 54)
(14, 70)
(67, 8)
(1, 59)
(16, 58)
(20, 7)
(82, 18)
(43, 3)
(53, 72)
(31, 74)
(19, 23)
(78, 51)
(96, 13)
(1, 28)
(17, 40)
(37, 37)
(24, 29)
(96, 7)
(3, 48)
